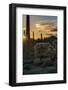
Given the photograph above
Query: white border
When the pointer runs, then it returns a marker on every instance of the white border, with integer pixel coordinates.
(42, 77)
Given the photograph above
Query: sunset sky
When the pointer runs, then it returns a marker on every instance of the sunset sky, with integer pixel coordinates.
(44, 25)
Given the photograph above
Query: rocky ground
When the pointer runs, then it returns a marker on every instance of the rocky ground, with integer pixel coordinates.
(45, 60)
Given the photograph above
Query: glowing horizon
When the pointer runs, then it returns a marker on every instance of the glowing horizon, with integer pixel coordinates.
(44, 25)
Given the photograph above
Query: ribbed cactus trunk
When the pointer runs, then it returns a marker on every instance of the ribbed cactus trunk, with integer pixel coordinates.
(28, 28)
(33, 35)
(41, 36)
(28, 35)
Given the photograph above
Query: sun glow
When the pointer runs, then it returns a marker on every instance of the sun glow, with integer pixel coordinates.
(38, 29)
(37, 25)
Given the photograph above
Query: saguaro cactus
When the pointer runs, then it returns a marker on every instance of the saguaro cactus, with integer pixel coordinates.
(28, 28)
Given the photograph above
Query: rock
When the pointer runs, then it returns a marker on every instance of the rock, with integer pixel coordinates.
(27, 61)
(50, 69)
(27, 66)
(37, 70)
(37, 61)
(46, 62)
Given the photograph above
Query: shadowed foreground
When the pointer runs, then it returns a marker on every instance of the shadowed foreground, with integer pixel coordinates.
(40, 56)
